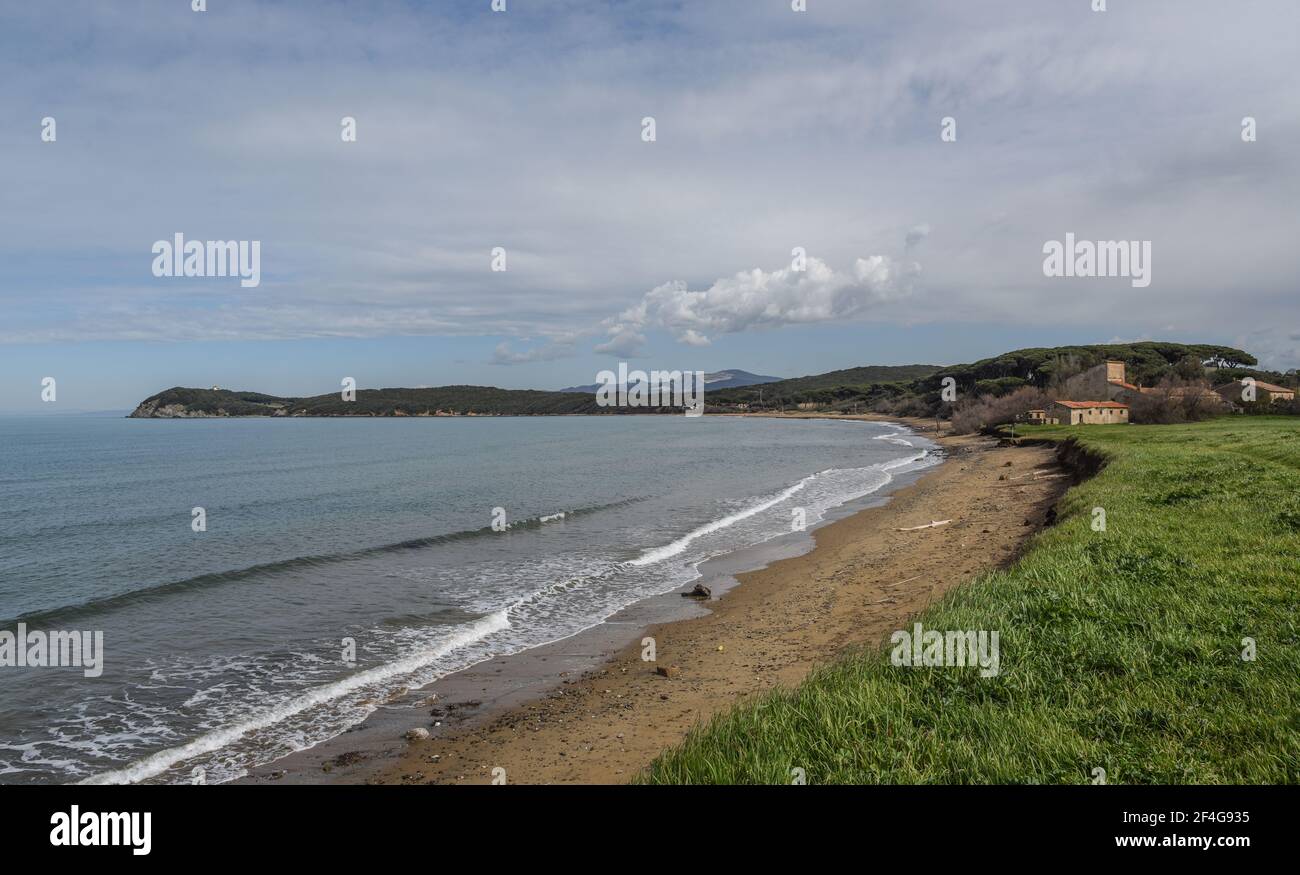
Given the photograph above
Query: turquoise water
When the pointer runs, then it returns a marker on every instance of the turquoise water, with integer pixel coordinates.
(226, 648)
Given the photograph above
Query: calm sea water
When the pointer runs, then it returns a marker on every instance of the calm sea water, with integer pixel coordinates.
(224, 648)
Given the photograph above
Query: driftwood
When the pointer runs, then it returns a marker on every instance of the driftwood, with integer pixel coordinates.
(1040, 474)
(901, 582)
(930, 525)
(1015, 485)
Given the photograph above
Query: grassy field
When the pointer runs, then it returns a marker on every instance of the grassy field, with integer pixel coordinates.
(1120, 649)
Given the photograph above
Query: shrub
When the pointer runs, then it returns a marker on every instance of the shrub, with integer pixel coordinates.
(985, 411)
(1175, 399)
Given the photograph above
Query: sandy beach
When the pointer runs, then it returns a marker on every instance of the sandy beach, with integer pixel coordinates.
(601, 723)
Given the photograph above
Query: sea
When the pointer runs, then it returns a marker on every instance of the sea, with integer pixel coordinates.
(262, 585)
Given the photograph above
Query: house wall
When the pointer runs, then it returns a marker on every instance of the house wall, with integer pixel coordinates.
(1067, 415)
(1092, 415)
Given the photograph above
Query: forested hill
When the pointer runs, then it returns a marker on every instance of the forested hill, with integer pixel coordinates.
(1146, 362)
(893, 389)
(914, 389)
(439, 401)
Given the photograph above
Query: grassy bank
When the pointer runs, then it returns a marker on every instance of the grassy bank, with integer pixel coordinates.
(1120, 649)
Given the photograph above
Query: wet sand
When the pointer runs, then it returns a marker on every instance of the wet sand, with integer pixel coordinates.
(590, 709)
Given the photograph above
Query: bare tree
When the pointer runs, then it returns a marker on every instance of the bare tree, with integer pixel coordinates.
(986, 411)
(1175, 399)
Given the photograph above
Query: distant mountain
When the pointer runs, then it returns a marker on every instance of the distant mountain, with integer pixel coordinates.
(731, 379)
(857, 377)
(736, 378)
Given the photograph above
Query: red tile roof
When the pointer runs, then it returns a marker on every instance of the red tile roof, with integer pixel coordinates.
(1085, 404)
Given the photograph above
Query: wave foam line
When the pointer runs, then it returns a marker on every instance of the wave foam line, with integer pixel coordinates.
(895, 437)
(73, 613)
(660, 553)
(157, 763)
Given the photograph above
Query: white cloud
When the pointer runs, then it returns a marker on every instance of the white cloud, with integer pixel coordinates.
(624, 342)
(756, 299)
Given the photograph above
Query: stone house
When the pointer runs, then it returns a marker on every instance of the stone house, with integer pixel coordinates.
(1090, 412)
(1267, 393)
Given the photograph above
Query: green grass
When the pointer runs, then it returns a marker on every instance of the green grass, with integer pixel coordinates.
(1119, 649)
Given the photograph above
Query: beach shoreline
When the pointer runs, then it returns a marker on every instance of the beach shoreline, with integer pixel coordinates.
(590, 709)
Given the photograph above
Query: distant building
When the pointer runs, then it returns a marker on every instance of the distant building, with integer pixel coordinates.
(1107, 380)
(1117, 379)
(1268, 393)
(216, 388)
(1090, 412)
(1036, 416)
(1206, 398)
(1274, 392)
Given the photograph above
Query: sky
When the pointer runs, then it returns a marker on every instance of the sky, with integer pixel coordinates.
(774, 131)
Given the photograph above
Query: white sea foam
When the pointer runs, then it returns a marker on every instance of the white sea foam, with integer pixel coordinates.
(160, 762)
(658, 554)
(896, 436)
